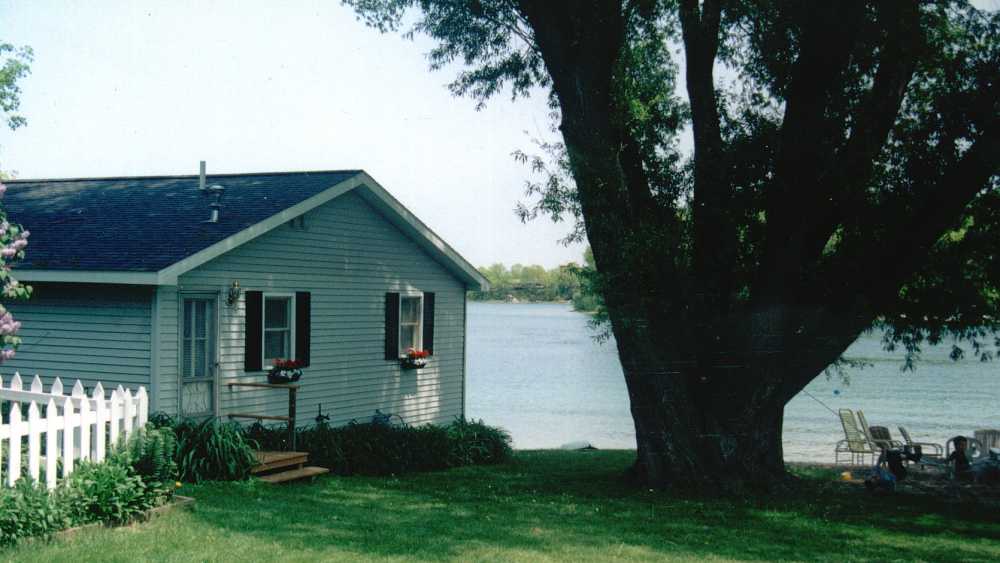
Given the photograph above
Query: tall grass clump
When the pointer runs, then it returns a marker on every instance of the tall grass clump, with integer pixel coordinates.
(211, 450)
(474, 443)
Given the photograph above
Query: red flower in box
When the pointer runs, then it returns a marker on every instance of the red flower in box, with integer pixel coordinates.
(414, 358)
(417, 354)
(287, 364)
(285, 371)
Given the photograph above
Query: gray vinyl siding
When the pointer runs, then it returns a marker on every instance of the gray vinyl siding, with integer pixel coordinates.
(87, 332)
(166, 395)
(348, 256)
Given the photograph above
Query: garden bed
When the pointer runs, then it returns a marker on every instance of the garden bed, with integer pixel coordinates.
(178, 502)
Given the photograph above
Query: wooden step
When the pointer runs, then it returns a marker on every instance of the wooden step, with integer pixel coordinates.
(294, 474)
(269, 461)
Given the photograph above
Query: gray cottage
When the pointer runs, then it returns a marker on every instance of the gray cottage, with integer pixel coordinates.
(187, 284)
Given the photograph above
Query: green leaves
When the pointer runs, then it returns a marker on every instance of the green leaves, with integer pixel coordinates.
(382, 449)
(105, 492)
(14, 65)
(111, 492)
(151, 452)
(488, 36)
(211, 450)
(29, 510)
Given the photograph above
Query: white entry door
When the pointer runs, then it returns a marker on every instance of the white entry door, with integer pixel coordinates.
(198, 357)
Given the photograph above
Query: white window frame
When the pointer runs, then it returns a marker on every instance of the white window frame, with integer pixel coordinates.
(265, 361)
(420, 323)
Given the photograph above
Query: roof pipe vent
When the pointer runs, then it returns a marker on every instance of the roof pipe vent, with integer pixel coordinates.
(216, 206)
(201, 176)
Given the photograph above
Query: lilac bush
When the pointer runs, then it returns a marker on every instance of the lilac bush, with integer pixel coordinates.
(13, 240)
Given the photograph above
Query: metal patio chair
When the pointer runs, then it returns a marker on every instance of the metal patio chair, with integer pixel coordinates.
(854, 445)
(927, 449)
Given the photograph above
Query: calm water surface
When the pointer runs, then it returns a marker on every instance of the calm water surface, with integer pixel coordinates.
(536, 370)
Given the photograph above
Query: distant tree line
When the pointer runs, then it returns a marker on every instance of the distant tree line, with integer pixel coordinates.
(567, 282)
(528, 283)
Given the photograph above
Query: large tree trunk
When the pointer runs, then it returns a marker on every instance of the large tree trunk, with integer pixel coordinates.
(724, 446)
(708, 403)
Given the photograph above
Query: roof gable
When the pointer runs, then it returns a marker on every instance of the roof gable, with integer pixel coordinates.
(149, 230)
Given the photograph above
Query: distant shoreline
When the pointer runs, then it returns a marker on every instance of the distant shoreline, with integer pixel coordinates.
(519, 302)
(502, 302)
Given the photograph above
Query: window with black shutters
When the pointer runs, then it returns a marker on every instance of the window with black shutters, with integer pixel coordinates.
(409, 323)
(278, 325)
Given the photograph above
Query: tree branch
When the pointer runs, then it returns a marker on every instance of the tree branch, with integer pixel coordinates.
(714, 230)
(581, 47)
(514, 28)
(937, 208)
(842, 186)
(807, 140)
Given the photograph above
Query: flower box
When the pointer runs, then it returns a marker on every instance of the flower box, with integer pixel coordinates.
(284, 371)
(414, 359)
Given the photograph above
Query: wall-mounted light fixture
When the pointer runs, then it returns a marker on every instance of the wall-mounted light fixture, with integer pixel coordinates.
(234, 294)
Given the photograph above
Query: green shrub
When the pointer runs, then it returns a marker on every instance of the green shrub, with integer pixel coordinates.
(373, 449)
(160, 419)
(211, 450)
(381, 449)
(137, 477)
(105, 492)
(152, 452)
(429, 446)
(28, 510)
(475, 443)
(273, 438)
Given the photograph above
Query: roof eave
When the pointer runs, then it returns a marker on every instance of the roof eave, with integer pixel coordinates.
(89, 276)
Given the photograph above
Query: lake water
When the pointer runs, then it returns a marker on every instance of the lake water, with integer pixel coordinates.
(536, 370)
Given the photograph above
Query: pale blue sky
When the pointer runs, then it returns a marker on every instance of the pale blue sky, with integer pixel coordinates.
(138, 88)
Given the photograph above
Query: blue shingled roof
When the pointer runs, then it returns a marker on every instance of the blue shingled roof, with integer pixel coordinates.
(144, 224)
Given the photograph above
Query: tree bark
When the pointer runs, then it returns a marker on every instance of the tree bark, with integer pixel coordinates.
(714, 418)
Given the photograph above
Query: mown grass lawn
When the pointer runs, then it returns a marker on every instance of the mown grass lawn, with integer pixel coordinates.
(550, 505)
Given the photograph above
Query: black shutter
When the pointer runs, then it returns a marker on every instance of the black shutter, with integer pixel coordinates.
(254, 331)
(429, 322)
(392, 326)
(303, 316)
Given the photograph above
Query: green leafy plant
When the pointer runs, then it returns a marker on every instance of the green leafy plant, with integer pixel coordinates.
(105, 492)
(475, 443)
(382, 449)
(135, 478)
(151, 452)
(211, 450)
(28, 510)
(160, 419)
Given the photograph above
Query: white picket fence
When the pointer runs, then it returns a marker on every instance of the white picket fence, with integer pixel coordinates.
(75, 426)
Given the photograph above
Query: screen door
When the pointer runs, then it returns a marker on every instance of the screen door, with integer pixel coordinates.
(198, 353)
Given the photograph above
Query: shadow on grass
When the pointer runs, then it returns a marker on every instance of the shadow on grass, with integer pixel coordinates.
(575, 505)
